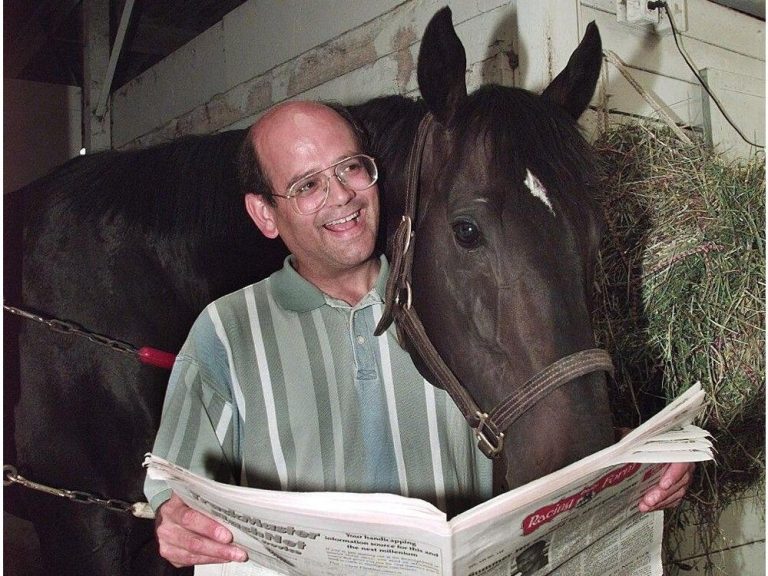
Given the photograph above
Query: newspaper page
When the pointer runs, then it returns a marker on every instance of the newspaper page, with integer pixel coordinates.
(319, 533)
(570, 522)
(589, 528)
(562, 526)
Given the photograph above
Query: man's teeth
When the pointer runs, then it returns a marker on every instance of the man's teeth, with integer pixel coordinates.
(345, 219)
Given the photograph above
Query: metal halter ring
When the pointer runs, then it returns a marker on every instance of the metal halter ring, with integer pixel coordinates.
(409, 297)
(483, 442)
(10, 474)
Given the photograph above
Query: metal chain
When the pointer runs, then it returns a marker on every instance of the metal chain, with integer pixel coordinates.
(137, 509)
(11, 475)
(66, 327)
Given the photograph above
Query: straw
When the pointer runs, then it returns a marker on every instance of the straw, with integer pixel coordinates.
(680, 298)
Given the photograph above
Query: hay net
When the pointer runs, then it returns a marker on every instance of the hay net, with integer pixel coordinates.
(680, 292)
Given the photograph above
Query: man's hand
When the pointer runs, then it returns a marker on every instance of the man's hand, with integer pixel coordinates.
(187, 537)
(671, 488)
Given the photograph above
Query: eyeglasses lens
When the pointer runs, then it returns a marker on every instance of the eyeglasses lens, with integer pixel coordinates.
(356, 173)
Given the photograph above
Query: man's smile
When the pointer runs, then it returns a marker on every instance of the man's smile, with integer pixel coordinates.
(343, 223)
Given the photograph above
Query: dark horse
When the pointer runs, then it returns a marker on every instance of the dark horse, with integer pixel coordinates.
(134, 244)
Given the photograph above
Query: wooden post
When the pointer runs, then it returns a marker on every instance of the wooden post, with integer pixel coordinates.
(97, 133)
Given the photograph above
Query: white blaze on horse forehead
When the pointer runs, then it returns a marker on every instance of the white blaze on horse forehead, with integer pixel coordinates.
(537, 189)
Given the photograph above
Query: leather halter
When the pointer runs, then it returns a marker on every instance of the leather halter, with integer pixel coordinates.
(489, 427)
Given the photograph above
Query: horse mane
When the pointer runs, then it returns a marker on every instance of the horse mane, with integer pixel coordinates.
(189, 184)
(526, 131)
(522, 130)
(390, 123)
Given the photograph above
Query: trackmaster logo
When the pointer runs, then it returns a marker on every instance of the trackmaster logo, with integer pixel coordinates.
(548, 513)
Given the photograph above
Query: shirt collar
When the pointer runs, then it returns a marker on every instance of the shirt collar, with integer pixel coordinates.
(293, 292)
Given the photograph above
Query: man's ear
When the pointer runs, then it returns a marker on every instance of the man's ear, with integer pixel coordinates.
(262, 213)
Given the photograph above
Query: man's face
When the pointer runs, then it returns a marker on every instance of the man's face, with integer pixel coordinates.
(300, 140)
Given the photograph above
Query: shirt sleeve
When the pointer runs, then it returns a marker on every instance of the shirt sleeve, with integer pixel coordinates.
(197, 426)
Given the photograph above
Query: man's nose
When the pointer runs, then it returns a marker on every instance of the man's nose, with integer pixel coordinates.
(338, 193)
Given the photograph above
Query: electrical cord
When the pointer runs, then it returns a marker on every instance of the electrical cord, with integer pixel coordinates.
(655, 5)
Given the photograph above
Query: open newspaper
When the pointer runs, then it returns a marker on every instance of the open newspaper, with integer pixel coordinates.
(582, 519)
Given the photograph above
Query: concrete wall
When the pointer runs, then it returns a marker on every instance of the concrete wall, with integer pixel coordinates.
(265, 52)
(725, 45)
(41, 129)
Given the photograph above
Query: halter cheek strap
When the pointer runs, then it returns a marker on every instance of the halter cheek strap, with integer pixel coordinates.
(489, 427)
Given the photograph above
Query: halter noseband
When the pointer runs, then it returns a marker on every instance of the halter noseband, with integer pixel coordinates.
(489, 427)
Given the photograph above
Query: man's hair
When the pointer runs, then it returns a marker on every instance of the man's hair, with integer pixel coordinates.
(253, 178)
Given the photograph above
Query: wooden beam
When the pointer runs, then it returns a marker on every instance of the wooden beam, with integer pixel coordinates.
(106, 86)
(97, 133)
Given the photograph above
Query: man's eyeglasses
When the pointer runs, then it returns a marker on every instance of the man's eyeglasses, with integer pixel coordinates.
(309, 194)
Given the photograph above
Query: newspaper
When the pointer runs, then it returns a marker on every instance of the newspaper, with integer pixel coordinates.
(582, 519)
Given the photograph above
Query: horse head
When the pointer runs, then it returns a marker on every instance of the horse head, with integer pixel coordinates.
(506, 238)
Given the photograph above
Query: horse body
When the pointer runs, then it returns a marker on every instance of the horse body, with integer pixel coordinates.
(135, 244)
(115, 243)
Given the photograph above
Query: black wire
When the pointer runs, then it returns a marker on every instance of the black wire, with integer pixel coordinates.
(655, 6)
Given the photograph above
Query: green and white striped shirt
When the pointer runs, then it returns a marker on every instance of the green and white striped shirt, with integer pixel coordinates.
(280, 386)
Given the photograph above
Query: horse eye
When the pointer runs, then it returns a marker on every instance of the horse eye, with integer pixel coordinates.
(467, 233)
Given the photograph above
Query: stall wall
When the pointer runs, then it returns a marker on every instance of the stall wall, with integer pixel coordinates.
(264, 52)
(41, 129)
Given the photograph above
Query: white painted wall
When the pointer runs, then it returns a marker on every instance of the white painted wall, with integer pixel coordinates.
(347, 63)
(41, 129)
(730, 44)
(740, 549)
(265, 52)
(221, 74)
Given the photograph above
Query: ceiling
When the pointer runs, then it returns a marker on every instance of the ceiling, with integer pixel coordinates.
(43, 39)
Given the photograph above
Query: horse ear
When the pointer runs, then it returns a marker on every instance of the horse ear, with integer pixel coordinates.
(574, 86)
(442, 67)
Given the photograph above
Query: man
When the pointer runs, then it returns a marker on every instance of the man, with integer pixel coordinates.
(282, 385)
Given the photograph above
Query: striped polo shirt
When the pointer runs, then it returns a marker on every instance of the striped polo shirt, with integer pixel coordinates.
(280, 386)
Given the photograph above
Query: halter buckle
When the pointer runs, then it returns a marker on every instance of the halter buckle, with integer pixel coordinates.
(484, 433)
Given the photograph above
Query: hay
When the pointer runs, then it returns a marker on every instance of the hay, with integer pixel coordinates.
(680, 298)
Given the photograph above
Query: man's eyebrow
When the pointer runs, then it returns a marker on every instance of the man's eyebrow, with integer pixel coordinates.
(313, 171)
